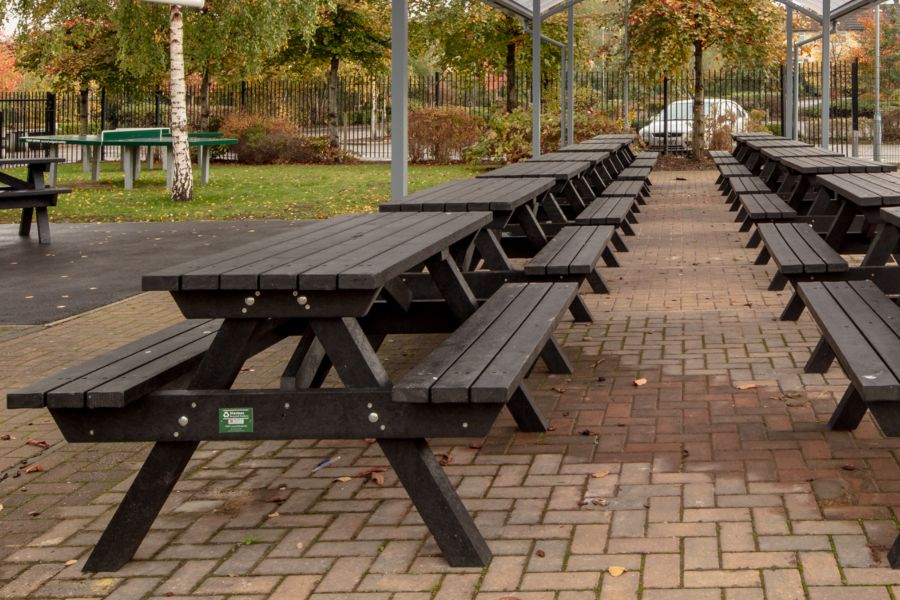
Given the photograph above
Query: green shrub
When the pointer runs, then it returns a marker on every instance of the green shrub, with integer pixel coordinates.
(441, 135)
(272, 140)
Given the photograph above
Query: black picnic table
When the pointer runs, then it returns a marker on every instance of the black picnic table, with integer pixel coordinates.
(526, 217)
(620, 150)
(30, 194)
(799, 174)
(604, 166)
(862, 194)
(337, 283)
(572, 181)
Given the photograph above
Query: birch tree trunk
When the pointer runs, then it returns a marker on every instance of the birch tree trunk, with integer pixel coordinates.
(182, 177)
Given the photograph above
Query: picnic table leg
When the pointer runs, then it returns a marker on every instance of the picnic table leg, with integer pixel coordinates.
(412, 459)
(43, 225)
(85, 159)
(128, 167)
(881, 248)
(150, 158)
(840, 225)
(204, 164)
(489, 248)
(170, 162)
(96, 154)
(25, 223)
(136, 158)
(52, 152)
(849, 411)
(893, 555)
(820, 358)
(530, 226)
(167, 460)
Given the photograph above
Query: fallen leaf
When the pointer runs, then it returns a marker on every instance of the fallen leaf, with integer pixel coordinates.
(585, 432)
(559, 390)
(640, 382)
(34, 513)
(71, 562)
(540, 553)
(445, 459)
(368, 472)
(276, 499)
(848, 467)
(685, 453)
(343, 479)
(272, 515)
(1, 507)
(34, 469)
(599, 474)
(475, 446)
(599, 501)
(38, 443)
(299, 545)
(509, 598)
(551, 428)
(377, 478)
(6, 436)
(747, 386)
(616, 571)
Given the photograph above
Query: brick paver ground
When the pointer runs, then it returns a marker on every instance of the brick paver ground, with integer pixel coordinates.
(709, 492)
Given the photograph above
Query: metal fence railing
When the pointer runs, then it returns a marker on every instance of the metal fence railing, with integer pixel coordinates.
(363, 104)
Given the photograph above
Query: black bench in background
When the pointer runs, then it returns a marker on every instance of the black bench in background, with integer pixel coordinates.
(30, 194)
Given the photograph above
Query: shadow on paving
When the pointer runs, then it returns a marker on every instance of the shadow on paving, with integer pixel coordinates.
(92, 264)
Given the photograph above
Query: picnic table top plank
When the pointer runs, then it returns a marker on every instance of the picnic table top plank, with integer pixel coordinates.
(807, 165)
(39, 160)
(595, 157)
(347, 252)
(495, 194)
(779, 152)
(870, 189)
(561, 171)
(595, 147)
(891, 215)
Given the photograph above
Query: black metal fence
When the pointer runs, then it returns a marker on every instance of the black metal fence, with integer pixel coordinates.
(363, 104)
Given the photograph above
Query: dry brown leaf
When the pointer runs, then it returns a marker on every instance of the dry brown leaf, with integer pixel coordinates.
(599, 501)
(34, 469)
(640, 382)
(368, 472)
(6, 436)
(616, 571)
(377, 478)
(343, 479)
(71, 562)
(747, 386)
(272, 515)
(38, 443)
(445, 459)
(540, 553)
(599, 474)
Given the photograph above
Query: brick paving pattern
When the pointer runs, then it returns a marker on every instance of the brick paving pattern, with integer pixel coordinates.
(700, 485)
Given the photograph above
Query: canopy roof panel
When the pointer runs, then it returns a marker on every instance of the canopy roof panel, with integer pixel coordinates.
(525, 8)
(839, 8)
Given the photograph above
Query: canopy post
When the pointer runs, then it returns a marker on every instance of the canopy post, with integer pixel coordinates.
(825, 114)
(788, 91)
(399, 98)
(563, 100)
(570, 75)
(876, 118)
(536, 79)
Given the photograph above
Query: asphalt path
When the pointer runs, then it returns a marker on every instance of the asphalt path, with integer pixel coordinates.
(93, 264)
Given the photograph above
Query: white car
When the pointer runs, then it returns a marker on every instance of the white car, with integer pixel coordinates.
(681, 120)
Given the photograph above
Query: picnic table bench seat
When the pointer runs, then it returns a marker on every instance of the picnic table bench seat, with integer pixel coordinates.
(487, 358)
(643, 163)
(726, 172)
(641, 174)
(575, 251)
(723, 157)
(610, 210)
(744, 185)
(762, 208)
(124, 375)
(30, 194)
(801, 254)
(627, 188)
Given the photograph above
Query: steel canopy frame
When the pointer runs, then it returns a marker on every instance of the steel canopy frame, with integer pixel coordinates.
(829, 12)
(526, 10)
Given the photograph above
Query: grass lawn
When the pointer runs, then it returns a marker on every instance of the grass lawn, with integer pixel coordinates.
(235, 192)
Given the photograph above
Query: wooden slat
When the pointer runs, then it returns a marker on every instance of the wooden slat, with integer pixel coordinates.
(453, 385)
(584, 262)
(416, 385)
(34, 395)
(538, 265)
(781, 252)
(833, 261)
(508, 367)
(562, 262)
(871, 377)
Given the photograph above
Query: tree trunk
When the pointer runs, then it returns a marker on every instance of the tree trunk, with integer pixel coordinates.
(511, 95)
(334, 134)
(83, 110)
(182, 177)
(204, 101)
(697, 129)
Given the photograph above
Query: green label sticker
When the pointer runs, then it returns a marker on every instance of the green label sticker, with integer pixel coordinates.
(235, 420)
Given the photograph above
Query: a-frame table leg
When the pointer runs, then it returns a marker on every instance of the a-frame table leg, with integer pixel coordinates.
(413, 460)
(167, 460)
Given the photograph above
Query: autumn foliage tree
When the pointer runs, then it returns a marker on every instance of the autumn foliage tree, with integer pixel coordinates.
(10, 79)
(668, 34)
